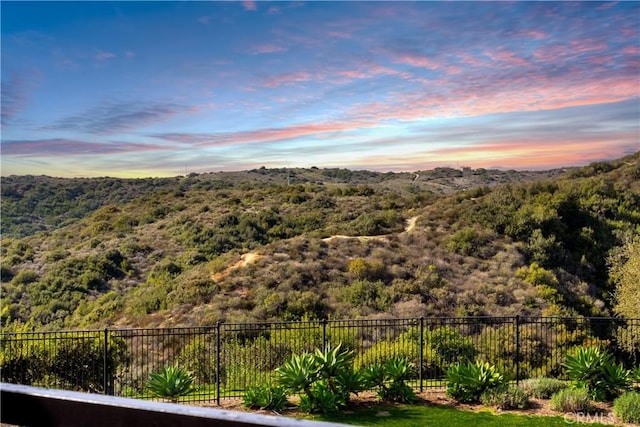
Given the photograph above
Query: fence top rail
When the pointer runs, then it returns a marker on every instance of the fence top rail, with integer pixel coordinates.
(304, 324)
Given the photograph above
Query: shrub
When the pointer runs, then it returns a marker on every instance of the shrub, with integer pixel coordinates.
(325, 377)
(451, 346)
(595, 370)
(321, 399)
(467, 381)
(572, 400)
(265, 397)
(542, 388)
(390, 379)
(627, 407)
(73, 364)
(299, 373)
(508, 397)
(170, 383)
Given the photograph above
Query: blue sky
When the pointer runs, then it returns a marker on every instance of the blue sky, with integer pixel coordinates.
(135, 89)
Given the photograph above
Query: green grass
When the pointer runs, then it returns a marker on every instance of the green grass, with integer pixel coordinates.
(420, 415)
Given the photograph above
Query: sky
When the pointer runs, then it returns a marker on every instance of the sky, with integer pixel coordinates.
(138, 89)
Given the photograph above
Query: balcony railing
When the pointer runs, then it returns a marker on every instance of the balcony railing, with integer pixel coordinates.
(33, 406)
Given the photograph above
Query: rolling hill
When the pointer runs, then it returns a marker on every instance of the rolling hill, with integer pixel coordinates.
(286, 244)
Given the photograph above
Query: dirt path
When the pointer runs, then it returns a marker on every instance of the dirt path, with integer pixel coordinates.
(411, 224)
(245, 259)
(251, 257)
(409, 227)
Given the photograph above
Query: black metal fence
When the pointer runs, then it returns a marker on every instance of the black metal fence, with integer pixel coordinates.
(227, 358)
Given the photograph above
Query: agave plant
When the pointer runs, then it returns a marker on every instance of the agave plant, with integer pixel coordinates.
(171, 383)
(299, 373)
(467, 381)
(265, 397)
(333, 362)
(595, 370)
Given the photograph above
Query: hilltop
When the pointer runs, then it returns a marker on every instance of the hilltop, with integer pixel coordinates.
(274, 244)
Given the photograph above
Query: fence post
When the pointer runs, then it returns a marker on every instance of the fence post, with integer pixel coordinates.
(218, 363)
(105, 369)
(517, 325)
(421, 346)
(324, 333)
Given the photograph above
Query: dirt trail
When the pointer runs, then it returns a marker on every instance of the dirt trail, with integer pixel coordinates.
(245, 259)
(251, 257)
(411, 224)
(409, 227)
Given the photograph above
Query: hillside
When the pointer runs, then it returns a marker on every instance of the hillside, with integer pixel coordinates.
(261, 245)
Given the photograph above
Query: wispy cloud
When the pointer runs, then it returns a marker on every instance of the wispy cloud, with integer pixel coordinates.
(62, 147)
(102, 56)
(260, 135)
(115, 117)
(267, 48)
(288, 79)
(15, 89)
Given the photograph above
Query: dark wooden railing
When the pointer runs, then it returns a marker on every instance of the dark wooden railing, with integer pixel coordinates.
(33, 406)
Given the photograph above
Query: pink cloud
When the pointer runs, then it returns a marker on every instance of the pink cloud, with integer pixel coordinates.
(250, 5)
(417, 61)
(606, 6)
(287, 79)
(536, 153)
(534, 34)
(267, 48)
(312, 130)
(507, 57)
(475, 97)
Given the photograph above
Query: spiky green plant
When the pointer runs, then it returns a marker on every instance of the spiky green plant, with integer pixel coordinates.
(595, 370)
(299, 373)
(265, 397)
(332, 362)
(467, 381)
(171, 383)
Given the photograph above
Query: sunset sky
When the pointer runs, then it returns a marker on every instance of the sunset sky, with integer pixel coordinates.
(131, 89)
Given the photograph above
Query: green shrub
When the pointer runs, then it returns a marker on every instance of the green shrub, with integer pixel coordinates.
(467, 381)
(326, 378)
(171, 382)
(451, 346)
(299, 373)
(627, 407)
(73, 364)
(390, 379)
(542, 388)
(572, 400)
(507, 397)
(595, 370)
(321, 399)
(398, 371)
(265, 397)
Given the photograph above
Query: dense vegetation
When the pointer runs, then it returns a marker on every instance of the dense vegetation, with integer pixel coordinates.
(258, 245)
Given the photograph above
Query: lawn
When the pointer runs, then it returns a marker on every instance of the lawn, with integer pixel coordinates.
(425, 415)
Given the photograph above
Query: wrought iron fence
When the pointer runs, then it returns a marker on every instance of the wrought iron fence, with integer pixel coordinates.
(227, 358)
